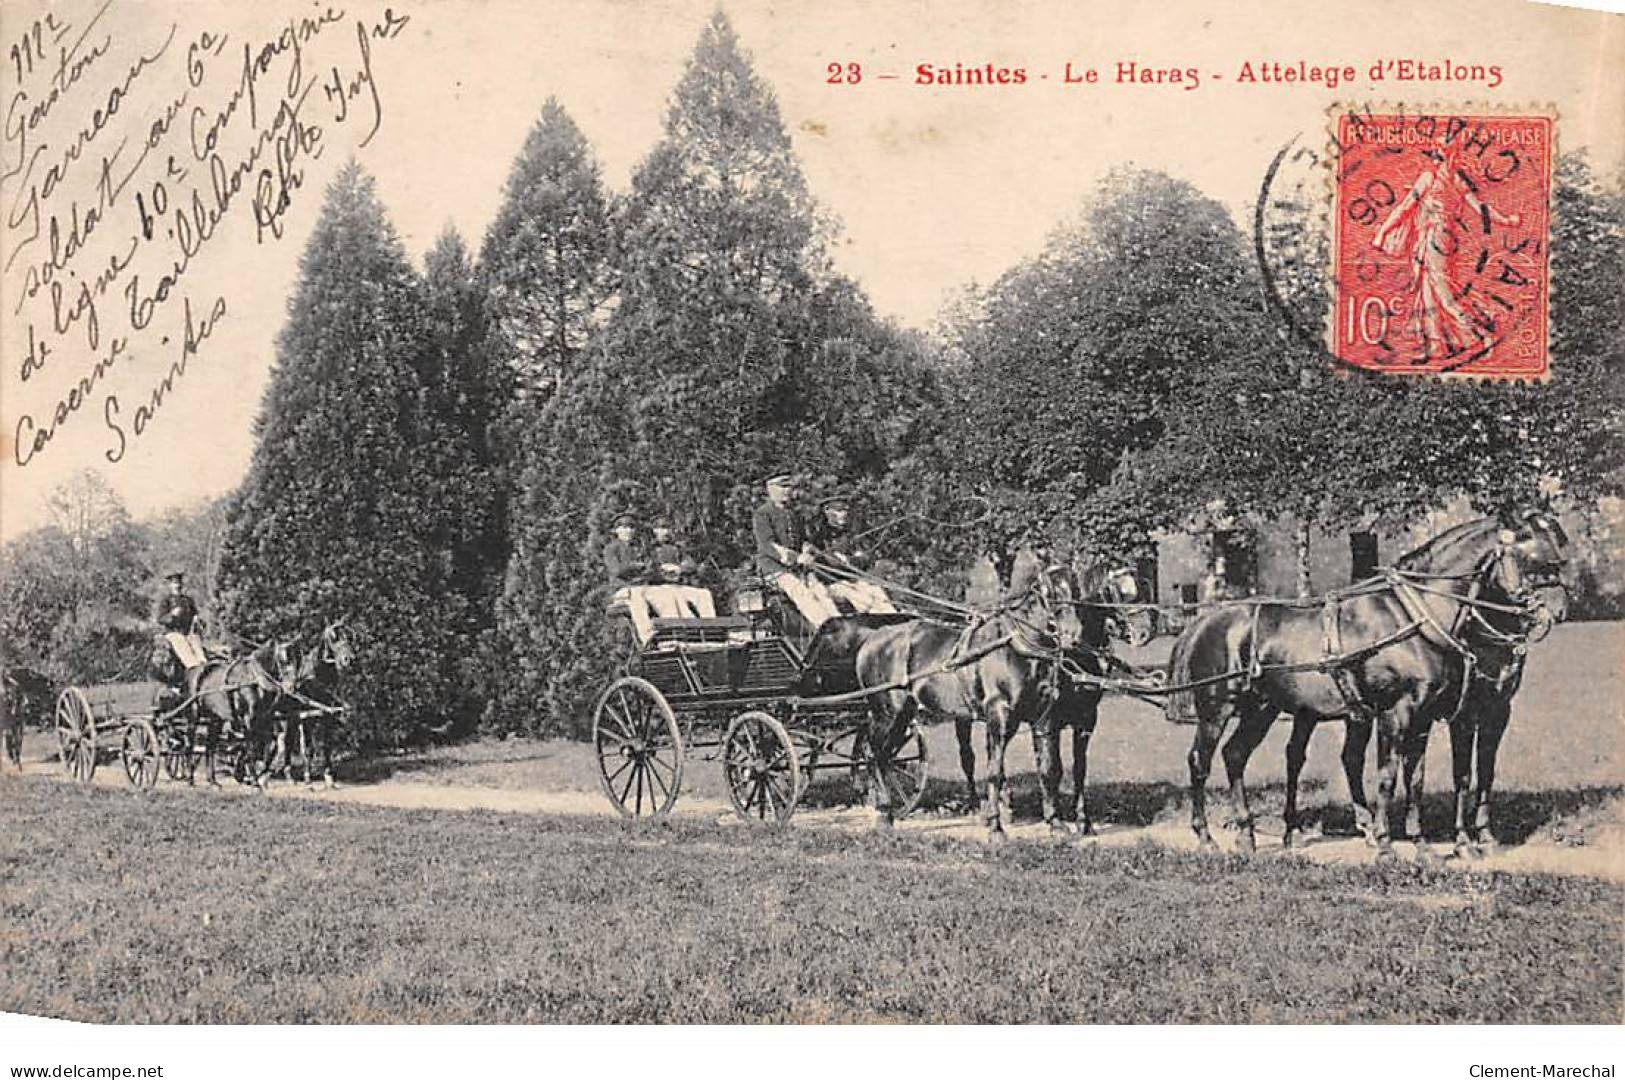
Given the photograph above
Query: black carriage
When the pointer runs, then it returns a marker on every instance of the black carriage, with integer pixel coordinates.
(728, 689)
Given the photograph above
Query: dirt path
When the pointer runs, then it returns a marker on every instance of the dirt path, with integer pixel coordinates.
(1602, 856)
(1605, 860)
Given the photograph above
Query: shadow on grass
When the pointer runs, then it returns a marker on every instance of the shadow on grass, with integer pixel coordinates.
(1515, 815)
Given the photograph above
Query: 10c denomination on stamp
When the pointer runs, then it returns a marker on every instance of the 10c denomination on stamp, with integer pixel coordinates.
(1440, 243)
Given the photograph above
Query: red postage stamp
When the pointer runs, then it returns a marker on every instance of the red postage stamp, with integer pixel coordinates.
(1439, 243)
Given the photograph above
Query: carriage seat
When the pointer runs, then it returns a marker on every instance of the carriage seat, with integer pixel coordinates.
(722, 630)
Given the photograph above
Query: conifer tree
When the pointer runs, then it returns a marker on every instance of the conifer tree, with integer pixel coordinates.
(345, 509)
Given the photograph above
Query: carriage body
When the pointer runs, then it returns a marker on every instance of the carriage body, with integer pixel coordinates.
(150, 726)
(731, 689)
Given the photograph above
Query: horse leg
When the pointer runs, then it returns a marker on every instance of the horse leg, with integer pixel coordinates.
(1200, 761)
(1492, 725)
(1463, 732)
(1297, 750)
(1415, 781)
(998, 737)
(886, 717)
(1255, 724)
(1393, 740)
(1083, 728)
(305, 748)
(967, 762)
(1047, 753)
(1356, 737)
(1415, 744)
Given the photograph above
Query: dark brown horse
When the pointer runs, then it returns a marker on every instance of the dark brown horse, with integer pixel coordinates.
(236, 697)
(1002, 668)
(309, 710)
(1500, 643)
(1391, 653)
(1112, 604)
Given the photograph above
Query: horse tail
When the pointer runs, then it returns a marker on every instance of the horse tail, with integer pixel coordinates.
(1183, 667)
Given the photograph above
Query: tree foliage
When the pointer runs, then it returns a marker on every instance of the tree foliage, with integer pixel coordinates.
(354, 506)
(731, 351)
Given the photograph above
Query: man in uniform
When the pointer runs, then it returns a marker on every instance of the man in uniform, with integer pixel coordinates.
(175, 616)
(783, 555)
(671, 595)
(831, 535)
(628, 573)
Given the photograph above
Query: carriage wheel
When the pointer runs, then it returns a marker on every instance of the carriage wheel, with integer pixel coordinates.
(76, 734)
(140, 753)
(905, 772)
(761, 768)
(640, 748)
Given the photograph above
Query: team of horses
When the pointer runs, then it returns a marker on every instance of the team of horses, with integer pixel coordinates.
(279, 694)
(1439, 637)
(273, 698)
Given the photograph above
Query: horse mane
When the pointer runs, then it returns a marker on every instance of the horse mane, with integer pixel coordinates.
(1443, 551)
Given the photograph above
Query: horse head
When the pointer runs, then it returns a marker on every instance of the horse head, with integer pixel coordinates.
(1528, 563)
(1517, 560)
(1051, 604)
(336, 650)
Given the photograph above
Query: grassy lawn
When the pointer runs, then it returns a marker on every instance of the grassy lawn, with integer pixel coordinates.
(190, 906)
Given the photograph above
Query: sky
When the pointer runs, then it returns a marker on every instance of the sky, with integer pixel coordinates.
(935, 186)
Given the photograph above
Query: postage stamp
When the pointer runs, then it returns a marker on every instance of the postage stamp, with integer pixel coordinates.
(1440, 242)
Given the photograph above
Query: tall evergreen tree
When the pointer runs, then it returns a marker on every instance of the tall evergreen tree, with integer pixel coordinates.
(729, 353)
(548, 265)
(346, 507)
(548, 255)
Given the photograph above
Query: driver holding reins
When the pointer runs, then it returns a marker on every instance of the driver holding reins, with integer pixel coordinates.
(176, 617)
(832, 535)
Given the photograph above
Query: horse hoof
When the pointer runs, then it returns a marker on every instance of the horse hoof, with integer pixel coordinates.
(997, 837)
(1467, 851)
(1087, 828)
(884, 823)
(1060, 830)
(1292, 839)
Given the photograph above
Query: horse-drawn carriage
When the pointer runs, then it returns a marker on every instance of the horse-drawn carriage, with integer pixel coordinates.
(150, 731)
(236, 715)
(1438, 637)
(735, 688)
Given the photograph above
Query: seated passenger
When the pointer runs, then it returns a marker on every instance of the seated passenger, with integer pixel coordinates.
(627, 571)
(832, 536)
(783, 555)
(672, 597)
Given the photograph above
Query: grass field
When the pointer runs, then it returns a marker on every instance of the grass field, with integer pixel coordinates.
(193, 907)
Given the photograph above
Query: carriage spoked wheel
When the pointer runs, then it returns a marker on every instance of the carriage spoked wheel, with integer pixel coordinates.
(904, 771)
(640, 748)
(761, 768)
(141, 753)
(76, 734)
